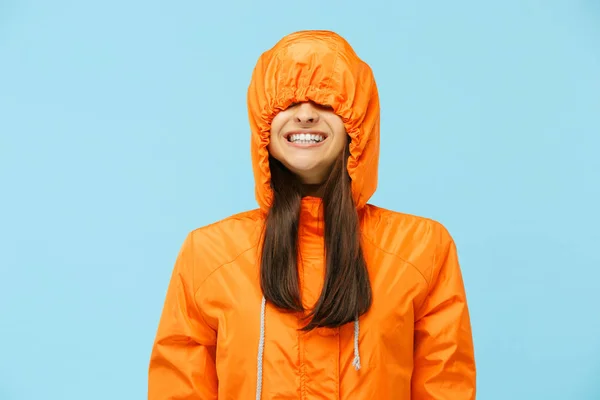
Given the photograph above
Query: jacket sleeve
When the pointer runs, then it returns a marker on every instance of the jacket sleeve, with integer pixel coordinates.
(182, 362)
(444, 360)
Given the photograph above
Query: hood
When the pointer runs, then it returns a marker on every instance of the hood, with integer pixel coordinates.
(318, 66)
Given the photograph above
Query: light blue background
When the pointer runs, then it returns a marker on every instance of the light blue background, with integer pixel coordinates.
(123, 126)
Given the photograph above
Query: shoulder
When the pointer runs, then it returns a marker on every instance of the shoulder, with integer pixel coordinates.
(417, 240)
(238, 225)
(403, 223)
(219, 243)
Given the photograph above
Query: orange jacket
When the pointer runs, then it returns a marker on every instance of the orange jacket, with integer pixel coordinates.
(218, 339)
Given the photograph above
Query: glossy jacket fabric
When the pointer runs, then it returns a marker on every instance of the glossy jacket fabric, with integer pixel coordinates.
(415, 342)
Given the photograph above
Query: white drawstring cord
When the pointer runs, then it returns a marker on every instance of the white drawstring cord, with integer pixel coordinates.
(356, 361)
(261, 349)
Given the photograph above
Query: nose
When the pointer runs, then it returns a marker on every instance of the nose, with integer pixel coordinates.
(306, 114)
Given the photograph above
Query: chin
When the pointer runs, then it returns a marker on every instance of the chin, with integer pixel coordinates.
(303, 170)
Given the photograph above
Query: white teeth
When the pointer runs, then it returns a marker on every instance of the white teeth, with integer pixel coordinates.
(306, 138)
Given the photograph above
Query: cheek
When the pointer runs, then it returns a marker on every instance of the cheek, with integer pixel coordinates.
(339, 144)
(336, 124)
(276, 127)
(272, 146)
(278, 121)
(341, 137)
(274, 149)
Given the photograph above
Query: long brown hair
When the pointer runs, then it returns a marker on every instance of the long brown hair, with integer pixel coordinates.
(346, 291)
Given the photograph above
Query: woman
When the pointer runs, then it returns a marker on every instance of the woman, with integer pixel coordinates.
(316, 294)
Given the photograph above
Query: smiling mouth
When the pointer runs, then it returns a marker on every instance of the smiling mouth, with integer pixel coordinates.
(305, 137)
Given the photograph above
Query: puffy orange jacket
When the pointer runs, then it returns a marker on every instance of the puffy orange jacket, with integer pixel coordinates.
(217, 337)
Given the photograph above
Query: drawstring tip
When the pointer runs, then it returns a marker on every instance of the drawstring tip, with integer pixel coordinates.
(356, 363)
